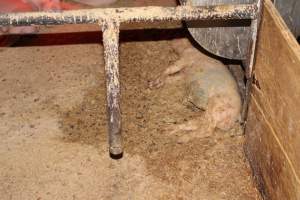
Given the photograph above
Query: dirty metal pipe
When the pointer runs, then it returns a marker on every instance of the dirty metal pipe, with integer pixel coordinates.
(135, 14)
(111, 31)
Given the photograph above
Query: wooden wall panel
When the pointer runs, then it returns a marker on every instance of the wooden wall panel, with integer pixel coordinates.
(273, 126)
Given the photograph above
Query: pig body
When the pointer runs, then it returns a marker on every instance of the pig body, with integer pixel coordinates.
(209, 87)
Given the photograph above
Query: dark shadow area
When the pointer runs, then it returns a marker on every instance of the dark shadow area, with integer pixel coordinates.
(116, 157)
(94, 37)
(219, 23)
(153, 34)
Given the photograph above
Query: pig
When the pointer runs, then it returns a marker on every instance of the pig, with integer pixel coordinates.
(209, 87)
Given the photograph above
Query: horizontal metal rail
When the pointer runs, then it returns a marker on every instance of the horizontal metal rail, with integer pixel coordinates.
(134, 14)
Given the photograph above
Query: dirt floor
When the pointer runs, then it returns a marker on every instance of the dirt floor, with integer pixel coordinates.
(53, 134)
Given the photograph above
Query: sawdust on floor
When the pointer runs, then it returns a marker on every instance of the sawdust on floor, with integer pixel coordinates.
(53, 134)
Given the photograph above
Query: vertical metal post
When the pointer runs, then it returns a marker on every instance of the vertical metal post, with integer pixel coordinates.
(250, 61)
(111, 31)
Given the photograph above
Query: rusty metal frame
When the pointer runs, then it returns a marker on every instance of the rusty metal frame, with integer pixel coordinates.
(110, 20)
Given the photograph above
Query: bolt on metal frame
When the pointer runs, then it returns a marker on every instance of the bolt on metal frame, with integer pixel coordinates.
(111, 18)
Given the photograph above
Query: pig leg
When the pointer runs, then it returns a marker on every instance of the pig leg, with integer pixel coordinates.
(175, 68)
(196, 128)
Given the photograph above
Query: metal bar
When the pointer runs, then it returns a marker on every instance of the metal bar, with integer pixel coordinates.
(135, 14)
(111, 55)
(250, 61)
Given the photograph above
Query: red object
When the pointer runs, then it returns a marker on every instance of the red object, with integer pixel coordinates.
(70, 6)
(14, 6)
(22, 6)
